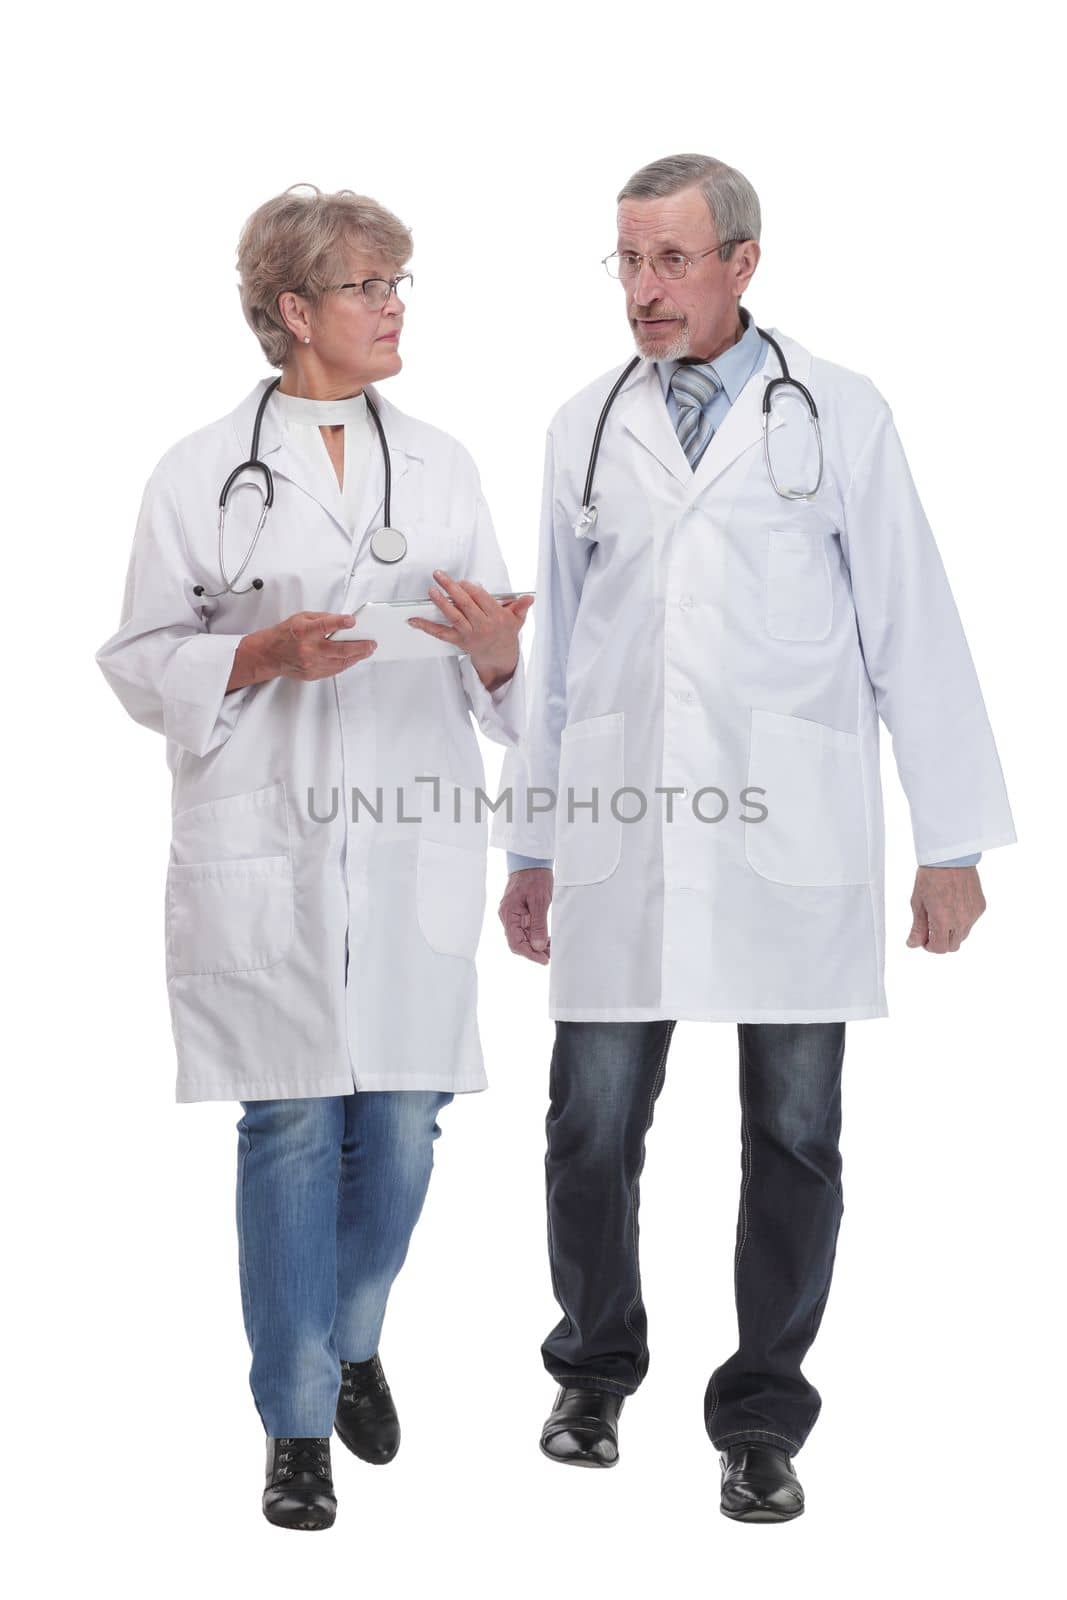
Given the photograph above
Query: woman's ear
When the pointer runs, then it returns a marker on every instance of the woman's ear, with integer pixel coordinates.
(294, 313)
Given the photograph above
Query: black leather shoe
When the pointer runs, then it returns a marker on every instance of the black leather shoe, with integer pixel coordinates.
(759, 1484)
(366, 1416)
(582, 1429)
(299, 1490)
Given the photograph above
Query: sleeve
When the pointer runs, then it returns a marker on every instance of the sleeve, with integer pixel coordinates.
(167, 668)
(531, 770)
(499, 713)
(917, 660)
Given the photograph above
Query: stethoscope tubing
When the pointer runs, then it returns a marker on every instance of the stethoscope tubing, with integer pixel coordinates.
(373, 409)
(253, 464)
(787, 381)
(587, 492)
(588, 511)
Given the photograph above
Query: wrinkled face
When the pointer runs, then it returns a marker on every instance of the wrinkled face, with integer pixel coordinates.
(348, 336)
(687, 316)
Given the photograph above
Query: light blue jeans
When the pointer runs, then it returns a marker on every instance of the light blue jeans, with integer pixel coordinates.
(329, 1190)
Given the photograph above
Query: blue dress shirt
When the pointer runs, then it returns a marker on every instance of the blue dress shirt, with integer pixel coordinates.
(733, 367)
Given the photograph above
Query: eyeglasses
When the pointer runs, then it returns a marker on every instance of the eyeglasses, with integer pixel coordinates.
(376, 291)
(626, 264)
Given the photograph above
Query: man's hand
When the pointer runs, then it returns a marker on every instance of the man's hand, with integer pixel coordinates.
(946, 903)
(485, 629)
(297, 648)
(524, 913)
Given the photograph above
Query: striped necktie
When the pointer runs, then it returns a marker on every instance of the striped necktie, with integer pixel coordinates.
(693, 387)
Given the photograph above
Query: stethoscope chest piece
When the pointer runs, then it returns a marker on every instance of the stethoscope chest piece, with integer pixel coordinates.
(388, 544)
(585, 521)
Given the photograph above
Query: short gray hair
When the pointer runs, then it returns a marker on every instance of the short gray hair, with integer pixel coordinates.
(298, 242)
(732, 201)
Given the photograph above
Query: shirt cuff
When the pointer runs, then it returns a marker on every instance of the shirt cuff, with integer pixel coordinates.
(517, 863)
(958, 861)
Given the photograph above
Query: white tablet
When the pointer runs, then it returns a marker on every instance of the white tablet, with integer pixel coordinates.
(387, 622)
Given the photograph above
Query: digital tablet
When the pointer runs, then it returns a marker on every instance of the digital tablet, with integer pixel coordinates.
(387, 622)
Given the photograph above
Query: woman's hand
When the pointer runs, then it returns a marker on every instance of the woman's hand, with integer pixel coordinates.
(481, 626)
(297, 648)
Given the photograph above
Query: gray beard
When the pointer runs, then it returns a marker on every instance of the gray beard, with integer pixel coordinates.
(674, 351)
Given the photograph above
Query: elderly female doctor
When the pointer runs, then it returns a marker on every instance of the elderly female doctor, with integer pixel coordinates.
(327, 872)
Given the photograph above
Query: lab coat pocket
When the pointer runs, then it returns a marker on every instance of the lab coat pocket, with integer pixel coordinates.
(815, 830)
(589, 843)
(799, 600)
(228, 916)
(450, 896)
(230, 897)
(235, 827)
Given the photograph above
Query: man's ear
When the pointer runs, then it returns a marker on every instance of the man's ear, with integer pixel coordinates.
(746, 260)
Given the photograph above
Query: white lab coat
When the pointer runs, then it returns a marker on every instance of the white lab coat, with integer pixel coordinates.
(708, 635)
(260, 894)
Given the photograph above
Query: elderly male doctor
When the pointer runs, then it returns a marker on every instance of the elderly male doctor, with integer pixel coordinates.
(711, 660)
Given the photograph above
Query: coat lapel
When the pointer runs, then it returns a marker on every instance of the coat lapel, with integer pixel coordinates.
(642, 411)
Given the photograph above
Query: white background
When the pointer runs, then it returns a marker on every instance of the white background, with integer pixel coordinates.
(912, 230)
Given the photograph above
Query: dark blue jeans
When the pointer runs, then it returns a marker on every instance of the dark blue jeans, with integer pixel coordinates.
(604, 1081)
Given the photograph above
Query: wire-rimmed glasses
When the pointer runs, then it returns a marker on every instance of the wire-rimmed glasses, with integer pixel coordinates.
(625, 265)
(376, 291)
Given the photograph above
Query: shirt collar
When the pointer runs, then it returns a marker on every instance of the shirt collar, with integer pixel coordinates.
(319, 413)
(733, 367)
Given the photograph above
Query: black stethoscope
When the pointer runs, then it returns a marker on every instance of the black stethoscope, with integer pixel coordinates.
(387, 544)
(586, 517)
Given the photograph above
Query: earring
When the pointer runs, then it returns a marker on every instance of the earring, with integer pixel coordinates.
(307, 338)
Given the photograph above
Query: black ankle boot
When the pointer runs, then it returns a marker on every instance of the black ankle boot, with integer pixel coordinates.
(366, 1416)
(299, 1489)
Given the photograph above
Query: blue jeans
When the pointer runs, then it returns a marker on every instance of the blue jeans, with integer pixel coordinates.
(604, 1081)
(329, 1190)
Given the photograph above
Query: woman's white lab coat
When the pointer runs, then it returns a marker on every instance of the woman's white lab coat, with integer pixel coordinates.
(711, 639)
(275, 860)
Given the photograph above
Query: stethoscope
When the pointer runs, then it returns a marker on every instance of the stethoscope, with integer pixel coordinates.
(586, 517)
(387, 544)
